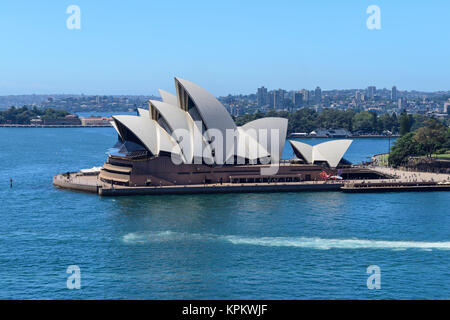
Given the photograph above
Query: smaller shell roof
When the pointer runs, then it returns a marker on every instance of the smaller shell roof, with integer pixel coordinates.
(155, 138)
(330, 151)
(168, 97)
(143, 112)
(267, 127)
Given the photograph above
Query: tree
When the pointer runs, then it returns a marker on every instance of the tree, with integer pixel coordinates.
(446, 144)
(387, 122)
(404, 123)
(374, 120)
(303, 120)
(23, 115)
(402, 149)
(364, 121)
(417, 121)
(424, 141)
(334, 119)
(395, 123)
(431, 137)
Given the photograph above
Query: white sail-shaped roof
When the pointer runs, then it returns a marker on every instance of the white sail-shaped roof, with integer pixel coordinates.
(168, 97)
(303, 150)
(174, 116)
(213, 114)
(263, 128)
(211, 110)
(247, 146)
(143, 112)
(333, 151)
(150, 133)
(330, 151)
(114, 125)
(183, 130)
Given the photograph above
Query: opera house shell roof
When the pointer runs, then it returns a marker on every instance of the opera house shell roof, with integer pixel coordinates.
(330, 152)
(187, 126)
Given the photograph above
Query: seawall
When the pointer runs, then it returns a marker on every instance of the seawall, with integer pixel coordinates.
(228, 188)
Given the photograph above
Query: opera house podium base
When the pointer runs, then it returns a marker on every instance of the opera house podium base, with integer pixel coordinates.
(90, 184)
(290, 178)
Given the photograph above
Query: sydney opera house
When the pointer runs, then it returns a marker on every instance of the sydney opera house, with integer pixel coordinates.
(189, 138)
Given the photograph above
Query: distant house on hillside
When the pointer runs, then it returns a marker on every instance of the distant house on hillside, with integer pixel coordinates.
(330, 133)
(298, 134)
(68, 120)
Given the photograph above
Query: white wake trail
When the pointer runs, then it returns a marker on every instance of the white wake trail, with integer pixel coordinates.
(295, 242)
(320, 243)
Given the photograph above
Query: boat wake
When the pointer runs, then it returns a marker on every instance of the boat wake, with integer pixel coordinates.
(295, 242)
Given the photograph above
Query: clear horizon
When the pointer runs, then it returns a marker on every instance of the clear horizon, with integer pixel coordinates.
(136, 47)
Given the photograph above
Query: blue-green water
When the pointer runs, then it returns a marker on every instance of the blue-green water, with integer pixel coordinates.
(237, 246)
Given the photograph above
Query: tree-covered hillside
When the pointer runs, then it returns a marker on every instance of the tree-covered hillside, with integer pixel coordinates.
(24, 114)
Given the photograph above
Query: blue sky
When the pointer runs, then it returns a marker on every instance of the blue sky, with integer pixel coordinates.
(136, 47)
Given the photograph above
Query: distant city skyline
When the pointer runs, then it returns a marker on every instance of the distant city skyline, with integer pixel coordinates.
(309, 89)
(135, 47)
(263, 100)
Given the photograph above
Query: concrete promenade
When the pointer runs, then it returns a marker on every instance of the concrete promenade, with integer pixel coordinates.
(411, 176)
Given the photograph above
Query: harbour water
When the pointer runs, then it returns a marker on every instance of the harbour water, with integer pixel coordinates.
(231, 246)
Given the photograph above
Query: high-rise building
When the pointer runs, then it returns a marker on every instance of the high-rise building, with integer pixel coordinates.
(305, 94)
(262, 96)
(371, 91)
(402, 103)
(271, 98)
(357, 96)
(279, 99)
(318, 95)
(394, 93)
(298, 99)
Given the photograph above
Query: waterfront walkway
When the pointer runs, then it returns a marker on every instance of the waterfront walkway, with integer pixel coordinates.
(411, 176)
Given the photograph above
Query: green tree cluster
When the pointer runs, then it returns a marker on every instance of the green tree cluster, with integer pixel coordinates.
(307, 119)
(432, 138)
(24, 114)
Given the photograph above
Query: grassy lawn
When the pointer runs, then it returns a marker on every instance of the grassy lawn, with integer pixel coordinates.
(444, 156)
(383, 159)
